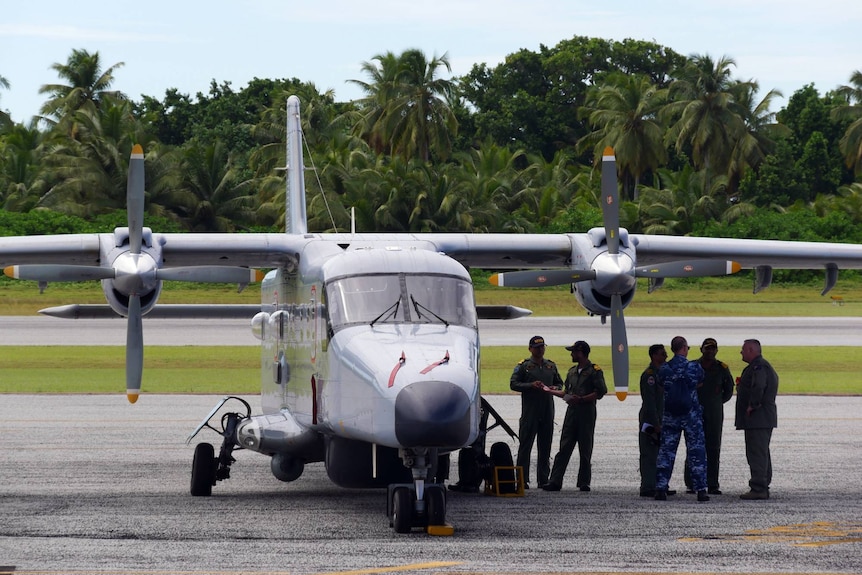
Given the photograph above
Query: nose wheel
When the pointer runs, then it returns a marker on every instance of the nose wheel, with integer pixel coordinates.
(407, 512)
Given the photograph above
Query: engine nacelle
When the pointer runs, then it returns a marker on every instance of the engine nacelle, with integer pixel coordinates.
(120, 302)
(135, 273)
(596, 303)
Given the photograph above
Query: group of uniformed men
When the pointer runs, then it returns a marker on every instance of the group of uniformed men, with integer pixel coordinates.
(679, 397)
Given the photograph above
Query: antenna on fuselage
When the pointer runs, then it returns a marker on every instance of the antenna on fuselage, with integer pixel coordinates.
(295, 220)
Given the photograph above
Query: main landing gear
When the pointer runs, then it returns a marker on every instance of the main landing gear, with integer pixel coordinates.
(418, 504)
(207, 469)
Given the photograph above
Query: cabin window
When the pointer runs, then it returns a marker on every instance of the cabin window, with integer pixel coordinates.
(400, 298)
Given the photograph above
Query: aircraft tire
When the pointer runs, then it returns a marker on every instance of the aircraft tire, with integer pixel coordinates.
(402, 510)
(203, 470)
(435, 503)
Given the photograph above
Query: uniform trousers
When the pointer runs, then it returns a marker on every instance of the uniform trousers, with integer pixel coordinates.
(672, 427)
(540, 430)
(579, 427)
(759, 458)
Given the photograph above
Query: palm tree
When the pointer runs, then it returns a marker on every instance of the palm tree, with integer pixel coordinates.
(624, 115)
(487, 193)
(23, 178)
(705, 121)
(4, 117)
(406, 110)
(760, 130)
(92, 166)
(220, 204)
(677, 204)
(86, 83)
(851, 143)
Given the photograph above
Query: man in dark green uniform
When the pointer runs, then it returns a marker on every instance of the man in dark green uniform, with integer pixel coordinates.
(717, 389)
(757, 415)
(585, 384)
(649, 418)
(530, 377)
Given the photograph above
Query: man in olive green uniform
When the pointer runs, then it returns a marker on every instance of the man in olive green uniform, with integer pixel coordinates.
(649, 418)
(530, 378)
(757, 415)
(717, 389)
(585, 384)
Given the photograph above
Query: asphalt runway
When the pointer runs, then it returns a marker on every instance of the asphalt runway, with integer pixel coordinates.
(91, 484)
(557, 331)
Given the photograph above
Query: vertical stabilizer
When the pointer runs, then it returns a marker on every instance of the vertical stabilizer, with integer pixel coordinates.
(295, 221)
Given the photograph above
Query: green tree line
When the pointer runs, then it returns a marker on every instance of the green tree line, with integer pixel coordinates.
(509, 148)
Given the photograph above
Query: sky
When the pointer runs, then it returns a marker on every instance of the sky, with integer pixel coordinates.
(186, 44)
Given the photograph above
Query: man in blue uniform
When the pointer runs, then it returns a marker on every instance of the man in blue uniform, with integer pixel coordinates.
(682, 413)
(529, 378)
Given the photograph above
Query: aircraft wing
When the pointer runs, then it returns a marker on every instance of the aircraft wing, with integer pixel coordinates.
(748, 253)
(262, 250)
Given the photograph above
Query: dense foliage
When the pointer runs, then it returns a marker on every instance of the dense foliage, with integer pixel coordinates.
(509, 148)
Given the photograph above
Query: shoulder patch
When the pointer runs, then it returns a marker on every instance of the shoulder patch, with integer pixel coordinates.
(596, 367)
(722, 364)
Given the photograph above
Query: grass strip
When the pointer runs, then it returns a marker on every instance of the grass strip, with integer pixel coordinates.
(221, 370)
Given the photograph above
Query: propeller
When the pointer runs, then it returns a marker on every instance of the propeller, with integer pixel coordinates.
(610, 201)
(541, 278)
(613, 273)
(134, 325)
(134, 273)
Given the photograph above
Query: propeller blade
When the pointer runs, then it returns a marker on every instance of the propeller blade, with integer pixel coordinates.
(611, 201)
(134, 349)
(541, 278)
(211, 274)
(689, 269)
(135, 199)
(58, 273)
(620, 348)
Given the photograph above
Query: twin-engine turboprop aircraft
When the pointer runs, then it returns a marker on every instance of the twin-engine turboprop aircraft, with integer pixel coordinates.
(370, 342)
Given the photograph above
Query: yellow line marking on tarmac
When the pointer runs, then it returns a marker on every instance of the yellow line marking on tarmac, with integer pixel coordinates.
(816, 534)
(431, 565)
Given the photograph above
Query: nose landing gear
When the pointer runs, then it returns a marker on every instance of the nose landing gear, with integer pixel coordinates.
(417, 505)
(207, 469)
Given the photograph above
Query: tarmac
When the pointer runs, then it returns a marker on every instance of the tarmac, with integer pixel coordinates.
(91, 484)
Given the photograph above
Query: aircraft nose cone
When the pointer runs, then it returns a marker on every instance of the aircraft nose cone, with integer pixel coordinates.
(432, 414)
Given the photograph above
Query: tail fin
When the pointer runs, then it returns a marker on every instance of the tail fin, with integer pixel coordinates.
(295, 220)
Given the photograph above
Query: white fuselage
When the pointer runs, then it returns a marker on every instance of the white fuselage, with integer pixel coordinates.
(378, 344)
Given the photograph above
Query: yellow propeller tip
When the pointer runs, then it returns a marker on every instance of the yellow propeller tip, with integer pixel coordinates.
(137, 150)
(735, 267)
(621, 395)
(9, 271)
(133, 397)
(494, 280)
(608, 151)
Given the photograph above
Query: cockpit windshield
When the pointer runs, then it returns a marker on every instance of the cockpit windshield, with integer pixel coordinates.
(400, 298)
